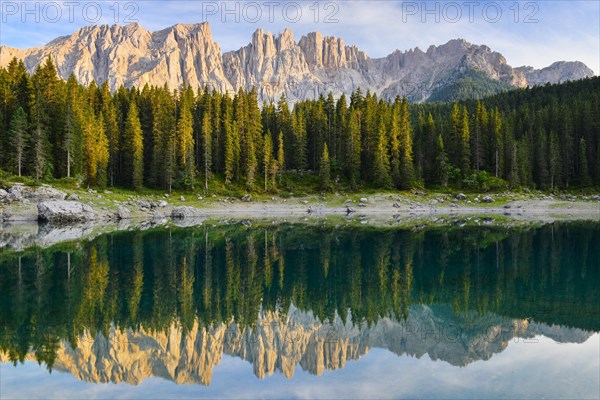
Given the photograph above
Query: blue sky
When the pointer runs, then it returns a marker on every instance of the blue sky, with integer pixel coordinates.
(534, 33)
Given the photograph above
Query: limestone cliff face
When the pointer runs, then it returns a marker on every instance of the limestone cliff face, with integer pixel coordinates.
(274, 64)
(559, 71)
(132, 56)
(282, 342)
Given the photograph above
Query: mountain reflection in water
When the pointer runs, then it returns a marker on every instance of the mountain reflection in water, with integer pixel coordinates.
(170, 302)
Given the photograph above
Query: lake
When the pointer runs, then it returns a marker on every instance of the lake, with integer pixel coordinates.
(305, 311)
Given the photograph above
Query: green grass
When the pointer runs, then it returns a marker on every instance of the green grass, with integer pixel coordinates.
(295, 186)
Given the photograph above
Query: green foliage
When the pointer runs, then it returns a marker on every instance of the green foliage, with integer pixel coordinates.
(484, 182)
(471, 84)
(544, 137)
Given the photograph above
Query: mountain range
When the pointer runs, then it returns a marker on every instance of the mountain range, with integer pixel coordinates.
(278, 64)
(280, 342)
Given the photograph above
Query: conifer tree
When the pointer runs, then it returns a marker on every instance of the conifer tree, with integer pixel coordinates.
(47, 121)
(381, 165)
(441, 164)
(102, 154)
(353, 150)
(254, 138)
(300, 142)
(555, 161)
(95, 147)
(514, 165)
(111, 127)
(163, 138)
(395, 148)
(541, 172)
(185, 144)
(583, 173)
(268, 159)
(229, 151)
(206, 149)
(71, 128)
(38, 144)
(133, 149)
(217, 134)
(230, 140)
(280, 156)
(464, 151)
(405, 148)
(325, 168)
(454, 136)
(18, 133)
(478, 137)
(284, 125)
(495, 153)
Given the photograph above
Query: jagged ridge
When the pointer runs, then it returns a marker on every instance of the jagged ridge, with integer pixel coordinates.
(275, 64)
(281, 341)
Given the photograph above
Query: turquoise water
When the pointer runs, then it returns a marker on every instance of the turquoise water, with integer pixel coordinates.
(305, 311)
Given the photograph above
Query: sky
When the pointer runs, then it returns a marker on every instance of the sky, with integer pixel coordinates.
(525, 369)
(534, 33)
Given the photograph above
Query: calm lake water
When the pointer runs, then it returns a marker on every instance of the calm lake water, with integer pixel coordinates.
(305, 312)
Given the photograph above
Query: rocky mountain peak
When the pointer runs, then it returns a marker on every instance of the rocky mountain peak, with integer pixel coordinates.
(275, 64)
(286, 40)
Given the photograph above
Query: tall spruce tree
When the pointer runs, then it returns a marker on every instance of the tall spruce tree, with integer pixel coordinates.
(353, 149)
(441, 164)
(18, 134)
(280, 157)
(185, 144)
(381, 164)
(405, 148)
(133, 149)
(325, 168)
(206, 149)
(268, 160)
(583, 172)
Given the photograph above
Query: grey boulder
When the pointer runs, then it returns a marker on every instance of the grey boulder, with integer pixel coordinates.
(61, 211)
(72, 197)
(37, 195)
(123, 213)
(186, 212)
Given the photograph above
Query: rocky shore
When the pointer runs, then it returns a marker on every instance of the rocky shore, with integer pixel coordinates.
(44, 215)
(48, 204)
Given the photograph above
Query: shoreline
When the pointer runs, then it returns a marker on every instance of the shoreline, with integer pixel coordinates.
(22, 229)
(107, 205)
